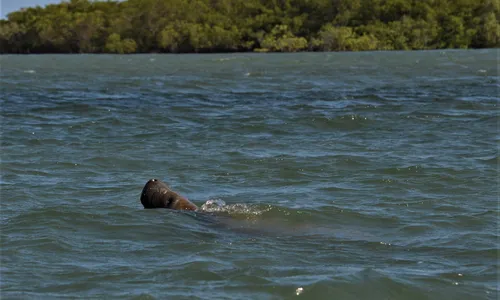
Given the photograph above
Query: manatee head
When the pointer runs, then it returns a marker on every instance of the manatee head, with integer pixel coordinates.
(157, 194)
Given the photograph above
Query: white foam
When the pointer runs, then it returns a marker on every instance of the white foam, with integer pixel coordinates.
(219, 206)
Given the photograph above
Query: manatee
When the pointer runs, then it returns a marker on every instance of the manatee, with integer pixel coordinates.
(157, 194)
(242, 218)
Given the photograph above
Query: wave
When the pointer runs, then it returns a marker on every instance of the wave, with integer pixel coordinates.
(219, 206)
(344, 122)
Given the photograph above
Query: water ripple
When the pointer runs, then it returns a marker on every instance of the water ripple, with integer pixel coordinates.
(347, 175)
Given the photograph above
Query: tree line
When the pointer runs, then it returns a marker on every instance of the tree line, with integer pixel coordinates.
(183, 26)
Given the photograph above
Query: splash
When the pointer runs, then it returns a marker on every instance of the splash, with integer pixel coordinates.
(213, 205)
(219, 206)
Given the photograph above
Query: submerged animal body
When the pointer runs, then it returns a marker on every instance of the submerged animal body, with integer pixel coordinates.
(238, 217)
(157, 194)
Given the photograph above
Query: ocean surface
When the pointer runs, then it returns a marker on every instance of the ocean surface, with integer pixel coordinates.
(367, 175)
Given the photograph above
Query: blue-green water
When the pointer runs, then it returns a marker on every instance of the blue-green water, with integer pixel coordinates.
(344, 176)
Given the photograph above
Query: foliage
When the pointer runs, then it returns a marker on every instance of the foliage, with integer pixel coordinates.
(139, 26)
(282, 39)
(114, 44)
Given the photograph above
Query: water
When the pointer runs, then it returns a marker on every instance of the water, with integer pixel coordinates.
(327, 175)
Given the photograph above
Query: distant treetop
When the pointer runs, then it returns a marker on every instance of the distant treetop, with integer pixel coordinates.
(180, 26)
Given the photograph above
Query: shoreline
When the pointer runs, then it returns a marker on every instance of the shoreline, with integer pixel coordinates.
(249, 52)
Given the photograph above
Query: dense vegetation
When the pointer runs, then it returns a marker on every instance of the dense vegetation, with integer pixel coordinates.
(82, 26)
